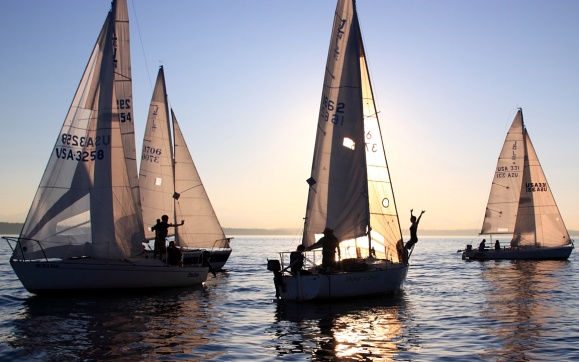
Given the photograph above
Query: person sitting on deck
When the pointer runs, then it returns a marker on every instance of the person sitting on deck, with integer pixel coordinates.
(297, 259)
(173, 254)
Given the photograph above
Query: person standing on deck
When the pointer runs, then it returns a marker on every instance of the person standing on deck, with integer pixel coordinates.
(161, 231)
(329, 244)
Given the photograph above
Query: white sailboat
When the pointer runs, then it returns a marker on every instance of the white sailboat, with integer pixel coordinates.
(170, 185)
(522, 206)
(84, 230)
(350, 188)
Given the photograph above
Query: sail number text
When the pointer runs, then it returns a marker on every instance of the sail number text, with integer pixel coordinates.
(370, 146)
(69, 141)
(125, 106)
(331, 111)
(507, 171)
(151, 154)
(536, 186)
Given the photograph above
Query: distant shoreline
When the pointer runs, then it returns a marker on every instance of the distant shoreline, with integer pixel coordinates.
(15, 228)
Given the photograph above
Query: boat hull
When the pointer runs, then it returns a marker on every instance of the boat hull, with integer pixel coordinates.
(85, 275)
(557, 253)
(217, 257)
(342, 284)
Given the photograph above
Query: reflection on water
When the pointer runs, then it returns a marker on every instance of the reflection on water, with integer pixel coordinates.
(118, 327)
(517, 306)
(352, 330)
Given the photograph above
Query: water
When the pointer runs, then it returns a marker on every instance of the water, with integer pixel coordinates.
(449, 310)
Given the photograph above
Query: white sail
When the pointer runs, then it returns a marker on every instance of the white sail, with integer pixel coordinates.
(384, 223)
(169, 181)
(201, 228)
(539, 222)
(521, 204)
(350, 186)
(156, 179)
(501, 210)
(124, 92)
(350, 189)
(84, 205)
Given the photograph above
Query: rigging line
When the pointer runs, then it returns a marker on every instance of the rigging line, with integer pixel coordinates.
(190, 188)
(142, 46)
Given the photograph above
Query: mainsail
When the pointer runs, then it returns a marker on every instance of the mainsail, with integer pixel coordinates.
(501, 211)
(350, 189)
(170, 183)
(85, 202)
(156, 180)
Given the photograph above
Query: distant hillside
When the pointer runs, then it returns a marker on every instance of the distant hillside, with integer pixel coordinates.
(15, 228)
(9, 228)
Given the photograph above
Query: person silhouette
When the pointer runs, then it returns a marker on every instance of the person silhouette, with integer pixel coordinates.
(413, 229)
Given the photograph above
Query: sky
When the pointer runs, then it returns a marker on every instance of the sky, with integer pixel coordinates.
(245, 79)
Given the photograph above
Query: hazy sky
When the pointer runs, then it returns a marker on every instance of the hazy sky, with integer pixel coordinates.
(245, 79)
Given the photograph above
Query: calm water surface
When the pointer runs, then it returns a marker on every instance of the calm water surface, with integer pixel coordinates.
(449, 310)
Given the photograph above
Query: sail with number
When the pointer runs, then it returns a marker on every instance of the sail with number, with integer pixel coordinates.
(169, 181)
(501, 211)
(539, 222)
(85, 199)
(350, 188)
(84, 230)
(522, 205)
(350, 197)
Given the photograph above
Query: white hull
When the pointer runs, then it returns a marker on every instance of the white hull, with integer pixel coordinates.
(557, 253)
(77, 275)
(343, 284)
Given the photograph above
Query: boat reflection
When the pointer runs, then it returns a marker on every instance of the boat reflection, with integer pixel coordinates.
(117, 327)
(348, 330)
(517, 306)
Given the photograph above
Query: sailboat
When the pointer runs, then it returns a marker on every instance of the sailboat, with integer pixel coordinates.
(170, 185)
(522, 206)
(84, 229)
(350, 190)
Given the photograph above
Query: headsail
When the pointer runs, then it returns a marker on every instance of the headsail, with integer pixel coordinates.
(350, 180)
(84, 205)
(539, 222)
(202, 228)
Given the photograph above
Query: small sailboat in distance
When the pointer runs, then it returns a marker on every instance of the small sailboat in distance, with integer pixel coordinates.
(522, 206)
(84, 230)
(170, 185)
(350, 191)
